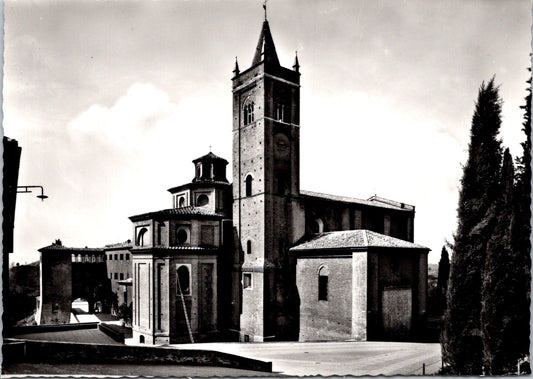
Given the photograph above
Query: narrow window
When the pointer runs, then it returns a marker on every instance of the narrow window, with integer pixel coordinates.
(127, 257)
(121, 276)
(248, 247)
(110, 257)
(323, 284)
(279, 111)
(115, 275)
(249, 113)
(121, 257)
(182, 202)
(249, 180)
(247, 280)
(141, 339)
(183, 280)
(116, 257)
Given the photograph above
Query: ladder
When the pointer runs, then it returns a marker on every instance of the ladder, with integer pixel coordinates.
(185, 309)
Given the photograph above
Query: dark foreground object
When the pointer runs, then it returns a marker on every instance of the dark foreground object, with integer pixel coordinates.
(22, 355)
(118, 369)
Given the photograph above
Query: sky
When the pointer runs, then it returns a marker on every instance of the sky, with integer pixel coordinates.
(112, 100)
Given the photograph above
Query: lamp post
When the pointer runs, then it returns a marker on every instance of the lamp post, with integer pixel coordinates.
(26, 189)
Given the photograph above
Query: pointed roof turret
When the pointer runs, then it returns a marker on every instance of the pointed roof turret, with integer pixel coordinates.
(265, 51)
(236, 71)
(296, 65)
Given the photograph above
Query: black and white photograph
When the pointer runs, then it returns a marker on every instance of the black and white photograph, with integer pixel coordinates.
(266, 188)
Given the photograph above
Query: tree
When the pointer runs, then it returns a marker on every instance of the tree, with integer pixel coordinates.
(521, 232)
(442, 280)
(461, 339)
(500, 286)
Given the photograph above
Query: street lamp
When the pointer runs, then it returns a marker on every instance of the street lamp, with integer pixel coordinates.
(26, 189)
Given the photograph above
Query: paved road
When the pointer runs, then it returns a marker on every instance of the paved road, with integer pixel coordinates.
(337, 358)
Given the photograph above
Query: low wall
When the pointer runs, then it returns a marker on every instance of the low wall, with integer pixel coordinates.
(17, 330)
(111, 332)
(63, 352)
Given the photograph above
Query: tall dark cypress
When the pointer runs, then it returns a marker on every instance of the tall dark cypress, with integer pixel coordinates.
(461, 339)
(442, 280)
(500, 328)
(521, 234)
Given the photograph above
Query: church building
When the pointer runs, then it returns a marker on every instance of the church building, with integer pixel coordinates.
(260, 259)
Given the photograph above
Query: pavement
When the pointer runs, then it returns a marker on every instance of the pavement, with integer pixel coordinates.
(337, 358)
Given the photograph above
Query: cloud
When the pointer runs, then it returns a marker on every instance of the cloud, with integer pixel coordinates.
(126, 124)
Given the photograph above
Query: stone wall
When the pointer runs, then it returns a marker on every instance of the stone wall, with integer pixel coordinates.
(56, 288)
(67, 352)
(325, 320)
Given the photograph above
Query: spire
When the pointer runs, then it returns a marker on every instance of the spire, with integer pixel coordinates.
(265, 8)
(236, 71)
(265, 51)
(296, 65)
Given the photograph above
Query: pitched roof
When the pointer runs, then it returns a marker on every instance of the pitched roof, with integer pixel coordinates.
(265, 50)
(189, 211)
(373, 201)
(210, 157)
(354, 239)
(58, 248)
(119, 245)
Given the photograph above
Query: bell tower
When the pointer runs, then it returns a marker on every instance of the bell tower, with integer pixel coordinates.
(266, 180)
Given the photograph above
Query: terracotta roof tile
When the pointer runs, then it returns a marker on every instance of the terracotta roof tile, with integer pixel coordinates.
(55, 247)
(374, 201)
(190, 210)
(353, 239)
(209, 157)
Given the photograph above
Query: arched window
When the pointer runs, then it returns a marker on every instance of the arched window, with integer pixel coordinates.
(279, 111)
(183, 280)
(141, 339)
(181, 202)
(323, 283)
(248, 247)
(202, 200)
(317, 226)
(142, 238)
(249, 180)
(248, 112)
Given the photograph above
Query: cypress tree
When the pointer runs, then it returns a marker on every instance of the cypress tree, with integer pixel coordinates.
(521, 233)
(462, 345)
(442, 280)
(500, 286)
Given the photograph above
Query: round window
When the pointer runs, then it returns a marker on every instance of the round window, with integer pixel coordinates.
(202, 200)
(182, 236)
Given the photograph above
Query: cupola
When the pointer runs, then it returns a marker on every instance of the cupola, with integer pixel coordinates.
(210, 168)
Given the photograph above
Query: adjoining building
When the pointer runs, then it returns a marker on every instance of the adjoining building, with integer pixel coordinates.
(89, 274)
(180, 260)
(359, 285)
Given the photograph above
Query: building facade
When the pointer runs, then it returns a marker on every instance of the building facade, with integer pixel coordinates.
(246, 261)
(179, 260)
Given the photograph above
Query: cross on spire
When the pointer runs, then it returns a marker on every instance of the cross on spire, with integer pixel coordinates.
(265, 8)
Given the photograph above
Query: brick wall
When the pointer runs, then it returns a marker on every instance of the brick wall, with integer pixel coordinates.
(56, 288)
(331, 319)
